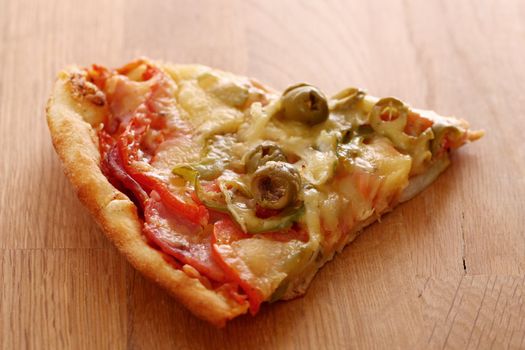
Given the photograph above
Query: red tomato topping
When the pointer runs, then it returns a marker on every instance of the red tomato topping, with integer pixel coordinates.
(175, 223)
(211, 186)
(129, 147)
(296, 231)
(99, 75)
(195, 213)
(224, 233)
(416, 124)
(130, 66)
(189, 244)
(149, 73)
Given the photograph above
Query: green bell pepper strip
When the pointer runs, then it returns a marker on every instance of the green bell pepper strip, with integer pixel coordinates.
(209, 199)
(249, 222)
(239, 211)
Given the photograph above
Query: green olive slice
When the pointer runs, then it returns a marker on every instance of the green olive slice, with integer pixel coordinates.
(346, 98)
(304, 103)
(276, 185)
(389, 109)
(262, 154)
(389, 117)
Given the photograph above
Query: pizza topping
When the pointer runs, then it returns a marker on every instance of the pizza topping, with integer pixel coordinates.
(137, 135)
(214, 157)
(346, 99)
(233, 92)
(391, 117)
(350, 155)
(188, 243)
(317, 166)
(276, 185)
(258, 117)
(229, 194)
(137, 167)
(260, 155)
(416, 124)
(247, 189)
(243, 209)
(181, 204)
(447, 136)
(207, 192)
(304, 103)
(258, 264)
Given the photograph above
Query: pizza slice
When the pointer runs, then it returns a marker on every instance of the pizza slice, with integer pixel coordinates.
(227, 193)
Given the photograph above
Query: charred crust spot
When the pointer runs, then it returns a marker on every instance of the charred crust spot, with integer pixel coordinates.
(85, 90)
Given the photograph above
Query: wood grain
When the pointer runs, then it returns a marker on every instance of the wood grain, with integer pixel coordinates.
(445, 270)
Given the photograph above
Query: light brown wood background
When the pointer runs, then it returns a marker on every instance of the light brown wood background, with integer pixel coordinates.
(446, 270)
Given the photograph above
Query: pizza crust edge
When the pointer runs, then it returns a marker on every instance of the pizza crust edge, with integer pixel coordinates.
(76, 143)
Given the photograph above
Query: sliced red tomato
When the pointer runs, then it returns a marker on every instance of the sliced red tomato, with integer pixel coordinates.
(453, 140)
(211, 186)
(224, 233)
(99, 75)
(129, 148)
(194, 212)
(258, 263)
(416, 124)
(367, 184)
(295, 232)
(175, 223)
(189, 244)
(150, 72)
(130, 66)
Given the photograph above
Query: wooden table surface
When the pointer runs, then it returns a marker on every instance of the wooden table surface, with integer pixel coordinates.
(446, 270)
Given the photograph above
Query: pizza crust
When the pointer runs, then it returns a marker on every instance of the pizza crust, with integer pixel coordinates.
(76, 143)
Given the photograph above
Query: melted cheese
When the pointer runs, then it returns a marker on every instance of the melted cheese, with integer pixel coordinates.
(270, 261)
(317, 167)
(211, 101)
(252, 132)
(337, 197)
(206, 112)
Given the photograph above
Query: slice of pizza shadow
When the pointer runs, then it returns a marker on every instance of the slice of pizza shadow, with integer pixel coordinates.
(228, 193)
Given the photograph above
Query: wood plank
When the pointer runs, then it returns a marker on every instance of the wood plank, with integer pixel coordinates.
(471, 312)
(62, 299)
(38, 207)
